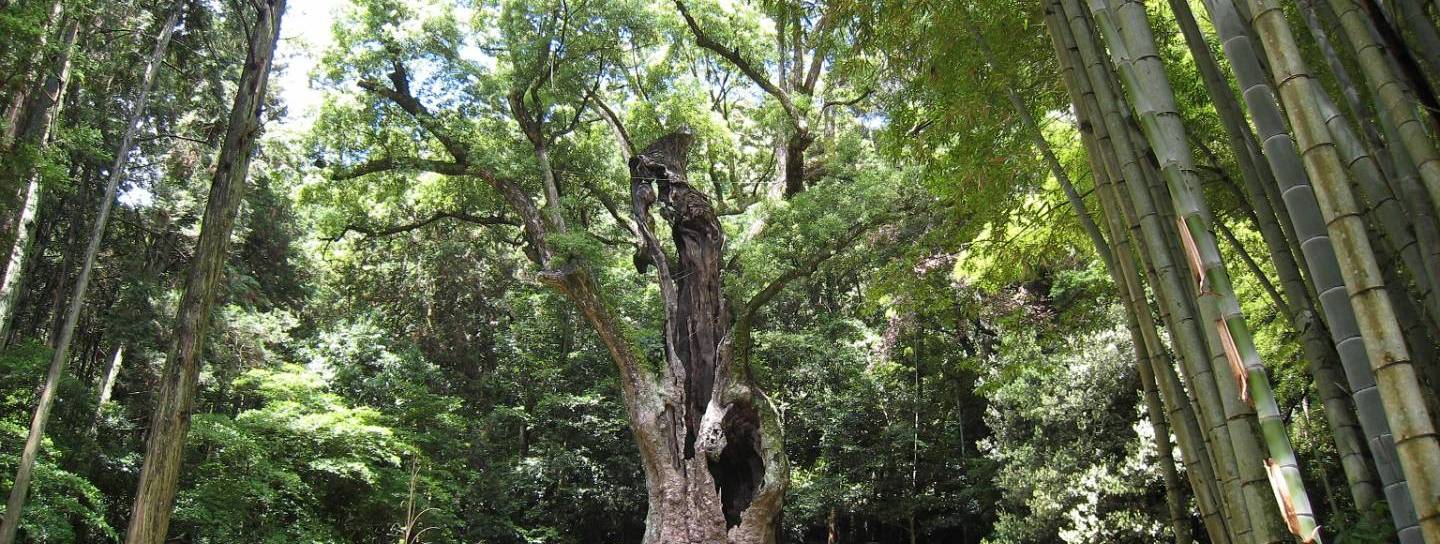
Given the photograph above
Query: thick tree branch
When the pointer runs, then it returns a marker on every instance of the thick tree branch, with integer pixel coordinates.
(804, 269)
(817, 56)
(572, 279)
(744, 322)
(612, 208)
(628, 146)
(371, 232)
(847, 103)
(520, 201)
(733, 55)
(411, 105)
(411, 164)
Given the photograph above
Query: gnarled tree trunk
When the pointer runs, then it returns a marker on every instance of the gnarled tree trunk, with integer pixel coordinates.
(711, 442)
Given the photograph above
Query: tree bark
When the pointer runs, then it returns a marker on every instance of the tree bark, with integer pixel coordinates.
(716, 471)
(160, 473)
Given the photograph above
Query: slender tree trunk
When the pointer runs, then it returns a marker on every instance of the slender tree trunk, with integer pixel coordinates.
(1153, 360)
(37, 133)
(107, 382)
(1150, 351)
(1255, 173)
(1426, 226)
(16, 193)
(1228, 431)
(160, 473)
(1379, 180)
(1416, 443)
(1313, 11)
(12, 284)
(1389, 214)
(1226, 473)
(66, 333)
(1422, 31)
(1150, 358)
(1407, 67)
(1135, 54)
(1175, 495)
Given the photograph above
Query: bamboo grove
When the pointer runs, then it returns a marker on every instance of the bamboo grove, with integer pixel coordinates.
(1332, 210)
(720, 271)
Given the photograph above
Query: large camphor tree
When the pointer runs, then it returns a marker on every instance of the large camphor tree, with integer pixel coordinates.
(710, 441)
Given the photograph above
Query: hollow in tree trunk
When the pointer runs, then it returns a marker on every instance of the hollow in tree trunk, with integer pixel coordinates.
(710, 441)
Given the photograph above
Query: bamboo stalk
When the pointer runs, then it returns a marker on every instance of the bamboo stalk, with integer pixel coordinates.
(1123, 163)
(1393, 97)
(1132, 45)
(1416, 443)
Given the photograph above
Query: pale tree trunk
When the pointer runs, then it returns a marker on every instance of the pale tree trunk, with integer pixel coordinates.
(1109, 147)
(160, 473)
(1150, 359)
(1416, 442)
(61, 354)
(107, 381)
(1131, 43)
(1312, 12)
(1427, 232)
(1416, 64)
